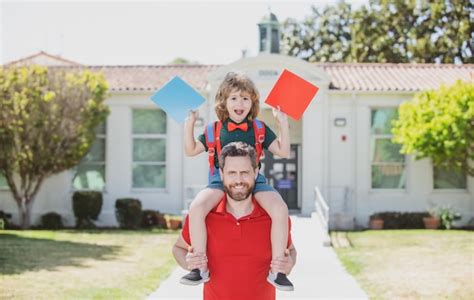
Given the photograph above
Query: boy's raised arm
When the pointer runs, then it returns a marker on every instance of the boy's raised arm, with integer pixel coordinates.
(191, 147)
(281, 145)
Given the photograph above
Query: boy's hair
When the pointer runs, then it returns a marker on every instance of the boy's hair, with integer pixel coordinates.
(236, 81)
(235, 149)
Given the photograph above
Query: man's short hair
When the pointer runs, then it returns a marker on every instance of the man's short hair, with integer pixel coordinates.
(235, 149)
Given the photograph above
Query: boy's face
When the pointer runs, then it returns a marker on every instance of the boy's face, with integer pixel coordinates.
(238, 105)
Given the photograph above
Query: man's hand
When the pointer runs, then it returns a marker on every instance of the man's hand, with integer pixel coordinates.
(283, 264)
(196, 260)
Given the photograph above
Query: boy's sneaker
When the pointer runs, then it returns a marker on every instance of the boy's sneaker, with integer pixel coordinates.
(280, 281)
(195, 277)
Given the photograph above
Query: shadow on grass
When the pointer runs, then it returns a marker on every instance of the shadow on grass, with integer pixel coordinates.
(119, 231)
(20, 254)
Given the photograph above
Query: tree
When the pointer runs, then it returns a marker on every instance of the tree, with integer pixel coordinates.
(385, 31)
(181, 61)
(47, 123)
(323, 36)
(439, 124)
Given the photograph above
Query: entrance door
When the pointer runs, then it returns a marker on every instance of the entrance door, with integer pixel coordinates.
(282, 174)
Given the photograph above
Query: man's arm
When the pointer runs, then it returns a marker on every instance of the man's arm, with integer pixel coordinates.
(183, 255)
(285, 264)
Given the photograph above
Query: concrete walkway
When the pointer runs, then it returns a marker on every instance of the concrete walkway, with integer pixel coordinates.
(317, 273)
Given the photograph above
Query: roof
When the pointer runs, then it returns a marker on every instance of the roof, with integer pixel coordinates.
(360, 77)
(394, 77)
(352, 77)
(45, 59)
(150, 78)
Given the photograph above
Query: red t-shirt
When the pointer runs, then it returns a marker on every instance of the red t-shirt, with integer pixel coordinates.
(239, 254)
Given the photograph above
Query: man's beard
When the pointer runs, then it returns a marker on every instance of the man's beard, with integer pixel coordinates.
(241, 194)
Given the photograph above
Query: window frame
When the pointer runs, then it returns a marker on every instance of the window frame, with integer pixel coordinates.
(94, 163)
(150, 136)
(373, 137)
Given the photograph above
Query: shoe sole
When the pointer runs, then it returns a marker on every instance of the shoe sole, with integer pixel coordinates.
(190, 282)
(281, 287)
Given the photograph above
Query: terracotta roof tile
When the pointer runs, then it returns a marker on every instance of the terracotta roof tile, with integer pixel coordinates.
(394, 77)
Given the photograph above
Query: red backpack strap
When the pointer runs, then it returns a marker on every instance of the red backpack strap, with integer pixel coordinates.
(259, 131)
(213, 143)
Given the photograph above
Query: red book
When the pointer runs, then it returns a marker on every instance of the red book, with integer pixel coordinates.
(292, 93)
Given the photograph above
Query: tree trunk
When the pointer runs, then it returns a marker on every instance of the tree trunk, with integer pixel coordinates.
(24, 206)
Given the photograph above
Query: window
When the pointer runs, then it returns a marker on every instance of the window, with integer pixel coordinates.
(90, 173)
(149, 148)
(444, 178)
(388, 165)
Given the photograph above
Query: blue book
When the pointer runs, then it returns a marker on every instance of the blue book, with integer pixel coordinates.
(177, 98)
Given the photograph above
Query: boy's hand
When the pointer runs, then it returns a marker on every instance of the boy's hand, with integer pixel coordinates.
(196, 260)
(192, 117)
(281, 117)
(283, 264)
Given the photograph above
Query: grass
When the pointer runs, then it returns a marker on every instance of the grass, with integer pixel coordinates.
(412, 264)
(96, 264)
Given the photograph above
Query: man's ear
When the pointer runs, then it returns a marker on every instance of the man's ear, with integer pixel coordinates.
(220, 173)
(256, 173)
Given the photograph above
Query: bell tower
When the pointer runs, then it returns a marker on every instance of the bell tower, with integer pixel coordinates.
(269, 32)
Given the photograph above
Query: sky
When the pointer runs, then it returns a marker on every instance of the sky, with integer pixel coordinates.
(140, 33)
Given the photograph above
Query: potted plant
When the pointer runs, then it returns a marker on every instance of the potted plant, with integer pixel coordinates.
(432, 221)
(173, 222)
(376, 221)
(447, 215)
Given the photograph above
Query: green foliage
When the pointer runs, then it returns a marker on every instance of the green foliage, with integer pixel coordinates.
(384, 31)
(439, 124)
(52, 221)
(128, 212)
(446, 214)
(47, 123)
(86, 206)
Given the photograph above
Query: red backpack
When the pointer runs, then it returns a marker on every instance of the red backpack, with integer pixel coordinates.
(213, 133)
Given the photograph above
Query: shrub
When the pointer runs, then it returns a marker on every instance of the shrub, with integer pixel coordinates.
(4, 217)
(128, 212)
(403, 220)
(52, 221)
(153, 218)
(86, 206)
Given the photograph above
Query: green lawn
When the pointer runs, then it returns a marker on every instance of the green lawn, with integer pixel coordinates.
(412, 264)
(71, 264)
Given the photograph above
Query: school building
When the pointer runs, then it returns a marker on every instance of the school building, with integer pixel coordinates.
(341, 147)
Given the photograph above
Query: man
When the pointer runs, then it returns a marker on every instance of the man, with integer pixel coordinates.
(238, 245)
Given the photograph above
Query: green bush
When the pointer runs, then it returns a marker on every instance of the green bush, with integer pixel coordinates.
(153, 218)
(4, 217)
(51, 221)
(403, 220)
(128, 212)
(86, 206)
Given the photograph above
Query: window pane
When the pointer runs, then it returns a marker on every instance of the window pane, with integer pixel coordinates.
(388, 177)
(383, 150)
(149, 121)
(448, 178)
(89, 177)
(96, 152)
(146, 176)
(101, 128)
(381, 120)
(3, 182)
(149, 150)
